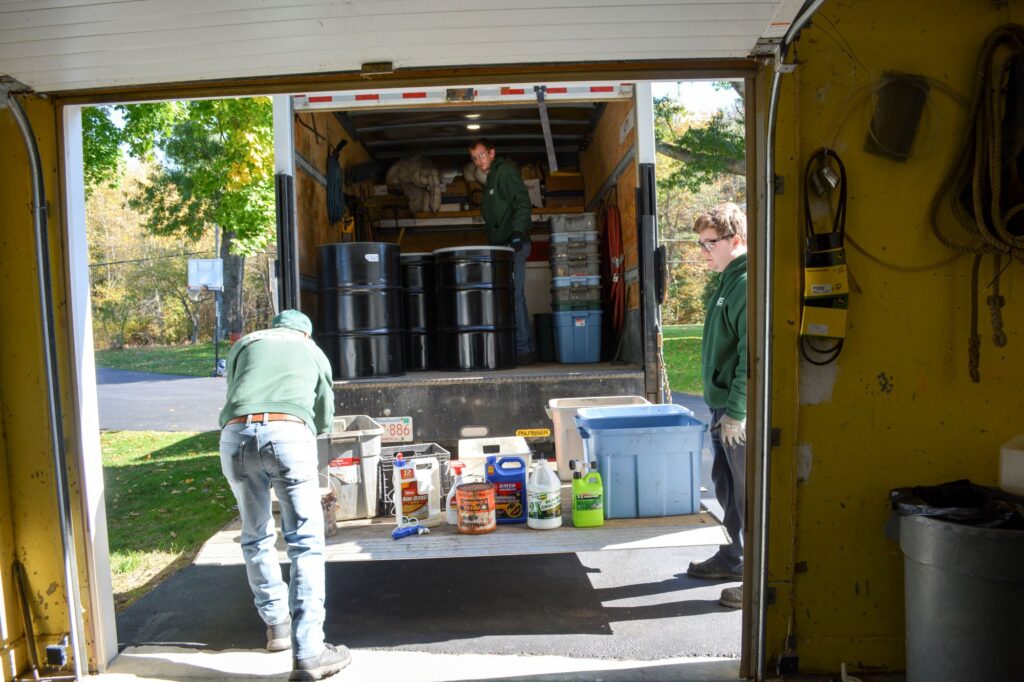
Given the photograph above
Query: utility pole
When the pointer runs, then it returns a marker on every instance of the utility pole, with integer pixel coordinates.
(216, 307)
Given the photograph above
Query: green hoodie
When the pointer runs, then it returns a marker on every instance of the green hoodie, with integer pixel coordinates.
(724, 350)
(506, 205)
(279, 370)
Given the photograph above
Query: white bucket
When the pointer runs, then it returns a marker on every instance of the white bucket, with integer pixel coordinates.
(562, 411)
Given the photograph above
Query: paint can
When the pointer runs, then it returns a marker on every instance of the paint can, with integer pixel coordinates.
(476, 508)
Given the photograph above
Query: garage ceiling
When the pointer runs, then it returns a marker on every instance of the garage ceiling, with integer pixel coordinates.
(62, 45)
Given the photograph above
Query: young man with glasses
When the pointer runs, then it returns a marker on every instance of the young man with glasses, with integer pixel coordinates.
(722, 236)
(506, 212)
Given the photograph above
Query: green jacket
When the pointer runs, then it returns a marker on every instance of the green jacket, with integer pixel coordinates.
(280, 370)
(724, 350)
(506, 205)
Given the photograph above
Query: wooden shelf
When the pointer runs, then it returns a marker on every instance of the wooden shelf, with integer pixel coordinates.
(468, 218)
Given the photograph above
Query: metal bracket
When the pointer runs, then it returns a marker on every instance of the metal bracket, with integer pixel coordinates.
(546, 127)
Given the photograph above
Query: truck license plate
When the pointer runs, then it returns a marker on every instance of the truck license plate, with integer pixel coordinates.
(396, 429)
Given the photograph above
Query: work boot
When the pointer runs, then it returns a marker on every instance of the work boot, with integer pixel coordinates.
(717, 567)
(279, 636)
(732, 597)
(330, 662)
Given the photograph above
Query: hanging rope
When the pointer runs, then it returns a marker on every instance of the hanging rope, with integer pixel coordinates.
(978, 173)
(617, 292)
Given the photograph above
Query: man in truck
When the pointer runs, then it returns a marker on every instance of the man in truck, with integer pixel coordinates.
(280, 394)
(506, 212)
(722, 236)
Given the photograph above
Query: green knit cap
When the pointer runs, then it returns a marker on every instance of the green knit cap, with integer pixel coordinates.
(293, 319)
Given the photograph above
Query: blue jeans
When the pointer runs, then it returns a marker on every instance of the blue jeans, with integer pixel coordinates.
(729, 474)
(524, 330)
(281, 454)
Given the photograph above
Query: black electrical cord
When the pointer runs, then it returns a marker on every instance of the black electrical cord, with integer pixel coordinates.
(818, 162)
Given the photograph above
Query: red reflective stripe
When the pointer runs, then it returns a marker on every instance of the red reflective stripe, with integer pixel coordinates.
(344, 462)
(364, 98)
(513, 91)
(413, 95)
(328, 98)
(557, 91)
(602, 88)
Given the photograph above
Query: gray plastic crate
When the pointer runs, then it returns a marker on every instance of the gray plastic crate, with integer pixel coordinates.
(579, 222)
(576, 294)
(571, 249)
(575, 267)
(409, 451)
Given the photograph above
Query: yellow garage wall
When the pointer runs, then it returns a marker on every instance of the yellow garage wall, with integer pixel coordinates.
(898, 408)
(30, 519)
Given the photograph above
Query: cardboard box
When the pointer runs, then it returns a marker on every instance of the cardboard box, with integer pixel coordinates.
(564, 201)
(564, 182)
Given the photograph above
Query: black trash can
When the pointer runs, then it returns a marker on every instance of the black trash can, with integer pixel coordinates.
(964, 589)
(419, 291)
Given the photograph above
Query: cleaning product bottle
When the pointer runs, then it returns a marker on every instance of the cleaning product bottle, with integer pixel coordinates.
(587, 498)
(417, 486)
(544, 498)
(508, 475)
(451, 505)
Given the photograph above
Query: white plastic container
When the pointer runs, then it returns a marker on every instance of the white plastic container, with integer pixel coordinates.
(475, 451)
(417, 485)
(451, 507)
(543, 498)
(1011, 465)
(562, 411)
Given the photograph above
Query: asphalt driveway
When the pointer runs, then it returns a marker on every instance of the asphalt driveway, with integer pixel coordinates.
(139, 401)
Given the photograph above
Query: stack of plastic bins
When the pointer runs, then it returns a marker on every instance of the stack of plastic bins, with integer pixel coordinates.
(574, 255)
(385, 480)
(562, 412)
(348, 457)
(648, 457)
(473, 452)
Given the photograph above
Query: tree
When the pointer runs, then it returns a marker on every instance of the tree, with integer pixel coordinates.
(707, 148)
(700, 164)
(213, 170)
(137, 279)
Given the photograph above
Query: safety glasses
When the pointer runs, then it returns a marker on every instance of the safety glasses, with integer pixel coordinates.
(706, 244)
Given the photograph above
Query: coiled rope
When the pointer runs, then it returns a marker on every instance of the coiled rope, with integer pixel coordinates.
(979, 166)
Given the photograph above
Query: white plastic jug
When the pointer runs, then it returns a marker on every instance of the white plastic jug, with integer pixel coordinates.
(417, 486)
(544, 498)
(451, 506)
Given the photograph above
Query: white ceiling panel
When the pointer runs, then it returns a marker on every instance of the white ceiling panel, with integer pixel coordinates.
(59, 45)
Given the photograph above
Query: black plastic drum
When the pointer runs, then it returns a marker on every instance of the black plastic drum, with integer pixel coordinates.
(475, 313)
(359, 289)
(420, 311)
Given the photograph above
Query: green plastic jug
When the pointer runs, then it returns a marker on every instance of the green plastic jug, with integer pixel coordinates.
(587, 500)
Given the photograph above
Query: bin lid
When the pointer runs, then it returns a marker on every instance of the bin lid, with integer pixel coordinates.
(636, 418)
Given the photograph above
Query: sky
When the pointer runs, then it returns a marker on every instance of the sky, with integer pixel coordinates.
(697, 96)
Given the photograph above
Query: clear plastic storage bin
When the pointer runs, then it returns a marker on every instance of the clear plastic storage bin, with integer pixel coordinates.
(562, 412)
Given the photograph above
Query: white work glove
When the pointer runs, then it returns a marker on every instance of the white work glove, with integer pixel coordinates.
(734, 431)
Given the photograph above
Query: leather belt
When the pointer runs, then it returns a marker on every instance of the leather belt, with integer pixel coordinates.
(261, 417)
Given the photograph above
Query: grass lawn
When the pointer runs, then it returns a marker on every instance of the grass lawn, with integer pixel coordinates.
(166, 496)
(681, 348)
(185, 360)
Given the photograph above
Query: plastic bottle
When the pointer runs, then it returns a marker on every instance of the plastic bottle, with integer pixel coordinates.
(587, 499)
(508, 475)
(451, 506)
(417, 486)
(544, 498)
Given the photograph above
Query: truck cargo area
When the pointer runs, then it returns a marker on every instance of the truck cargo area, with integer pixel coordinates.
(575, 146)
